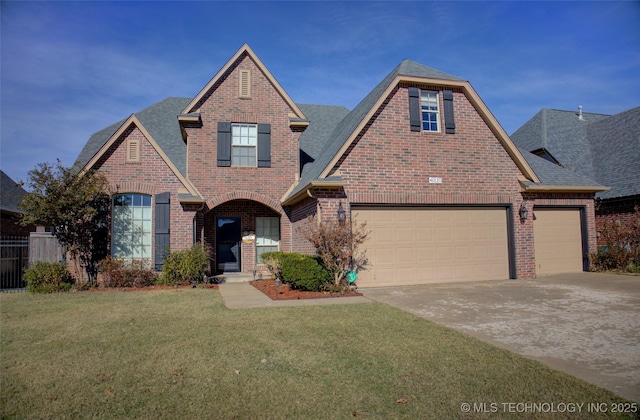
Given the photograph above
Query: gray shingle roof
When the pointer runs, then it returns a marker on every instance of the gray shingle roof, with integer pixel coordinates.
(350, 122)
(11, 194)
(160, 120)
(552, 175)
(601, 147)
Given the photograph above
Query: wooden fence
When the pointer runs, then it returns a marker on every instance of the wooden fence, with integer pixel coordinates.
(17, 253)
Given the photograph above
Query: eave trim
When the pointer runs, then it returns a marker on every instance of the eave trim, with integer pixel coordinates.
(303, 193)
(245, 49)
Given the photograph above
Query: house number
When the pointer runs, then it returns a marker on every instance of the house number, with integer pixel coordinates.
(435, 180)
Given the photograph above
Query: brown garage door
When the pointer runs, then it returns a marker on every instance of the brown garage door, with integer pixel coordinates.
(558, 240)
(427, 245)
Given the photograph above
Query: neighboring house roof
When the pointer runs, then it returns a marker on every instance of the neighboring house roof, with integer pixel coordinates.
(11, 194)
(605, 148)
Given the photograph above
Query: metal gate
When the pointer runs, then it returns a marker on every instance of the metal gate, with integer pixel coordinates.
(14, 259)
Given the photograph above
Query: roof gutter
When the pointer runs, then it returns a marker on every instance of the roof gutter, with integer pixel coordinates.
(564, 188)
(306, 191)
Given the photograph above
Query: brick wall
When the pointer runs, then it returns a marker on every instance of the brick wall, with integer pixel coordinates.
(149, 176)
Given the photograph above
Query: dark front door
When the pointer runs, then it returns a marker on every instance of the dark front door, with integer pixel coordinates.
(228, 238)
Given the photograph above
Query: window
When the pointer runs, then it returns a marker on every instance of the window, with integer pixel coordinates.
(131, 234)
(244, 139)
(267, 235)
(430, 112)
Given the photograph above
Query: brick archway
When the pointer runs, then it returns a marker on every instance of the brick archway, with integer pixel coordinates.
(245, 195)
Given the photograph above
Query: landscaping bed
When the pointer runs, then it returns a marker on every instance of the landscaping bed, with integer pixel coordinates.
(268, 287)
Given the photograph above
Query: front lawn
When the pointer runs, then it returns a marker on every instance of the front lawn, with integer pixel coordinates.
(182, 354)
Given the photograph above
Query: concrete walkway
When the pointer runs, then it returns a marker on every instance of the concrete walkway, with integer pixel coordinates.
(239, 295)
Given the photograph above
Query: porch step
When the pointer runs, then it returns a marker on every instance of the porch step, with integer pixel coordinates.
(235, 278)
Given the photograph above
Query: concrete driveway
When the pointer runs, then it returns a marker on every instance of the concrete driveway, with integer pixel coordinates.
(585, 324)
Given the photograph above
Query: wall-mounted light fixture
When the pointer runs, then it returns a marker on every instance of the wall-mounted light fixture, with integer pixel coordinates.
(341, 213)
(524, 213)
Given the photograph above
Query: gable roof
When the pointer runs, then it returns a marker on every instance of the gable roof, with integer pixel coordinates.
(602, 147)
(160, 120)
(347, 129)
(11, 194)
(159, 124)
(297, 116)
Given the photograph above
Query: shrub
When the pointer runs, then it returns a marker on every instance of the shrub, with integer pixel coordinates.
(622, 245)
(186, 267)
(118, 273)
(273, 261)
(338, 245)
(305, 272)
(48, 277)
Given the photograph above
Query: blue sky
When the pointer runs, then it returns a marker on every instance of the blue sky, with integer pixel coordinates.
(69, 69)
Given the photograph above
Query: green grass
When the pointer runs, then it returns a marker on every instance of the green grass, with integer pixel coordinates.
(182, 354)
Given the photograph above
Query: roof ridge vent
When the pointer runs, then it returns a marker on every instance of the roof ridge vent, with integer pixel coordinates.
(580, 116)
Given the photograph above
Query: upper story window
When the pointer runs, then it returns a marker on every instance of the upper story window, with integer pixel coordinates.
(244, 145)
(244, 141)
(429, 109)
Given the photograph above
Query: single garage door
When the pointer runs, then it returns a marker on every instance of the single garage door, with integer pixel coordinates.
(558, 240)
(411, 245)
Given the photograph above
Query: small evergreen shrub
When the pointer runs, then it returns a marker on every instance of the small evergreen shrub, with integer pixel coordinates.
(305, 272)
(48, 277)
(118, 273)
(186, 267)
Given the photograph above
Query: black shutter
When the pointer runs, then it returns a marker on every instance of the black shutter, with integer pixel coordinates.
(224, 144)
(162, 230)
(449, 123)
(414, 109)
(264, 145)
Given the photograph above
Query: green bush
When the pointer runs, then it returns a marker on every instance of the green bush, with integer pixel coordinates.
(48, 277)
(118, 273)
(304, 272)
(186, 267)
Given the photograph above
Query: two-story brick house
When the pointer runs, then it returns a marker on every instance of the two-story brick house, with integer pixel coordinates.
(241, 166)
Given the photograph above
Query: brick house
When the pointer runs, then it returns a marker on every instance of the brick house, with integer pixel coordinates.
(11, 195)
(605, 148)
(445, 192)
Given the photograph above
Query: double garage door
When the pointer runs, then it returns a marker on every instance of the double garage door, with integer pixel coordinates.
(413, 245)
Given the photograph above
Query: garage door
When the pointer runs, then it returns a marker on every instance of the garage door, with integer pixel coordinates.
(558, 241)
(427, 245)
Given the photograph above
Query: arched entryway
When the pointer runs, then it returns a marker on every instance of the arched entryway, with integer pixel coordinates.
(239, 231)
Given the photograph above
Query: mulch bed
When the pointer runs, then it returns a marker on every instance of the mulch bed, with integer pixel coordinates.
(155, 287)
(268, 287)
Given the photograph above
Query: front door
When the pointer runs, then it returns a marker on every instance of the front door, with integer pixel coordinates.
(228, 239)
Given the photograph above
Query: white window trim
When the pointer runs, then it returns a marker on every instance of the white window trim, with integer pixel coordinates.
(236, 145)
(436, 111)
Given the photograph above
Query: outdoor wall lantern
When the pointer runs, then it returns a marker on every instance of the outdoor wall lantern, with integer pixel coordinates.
(524, 213)
(341, 214)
